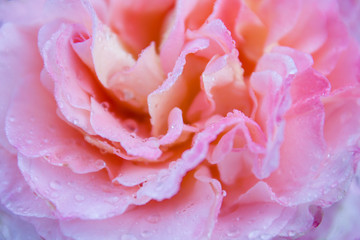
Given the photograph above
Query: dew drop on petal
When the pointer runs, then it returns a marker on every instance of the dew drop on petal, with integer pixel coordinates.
(155, 218)
(147, 233)
(105, 105)
(61, 104)
(224, 193)
(100, 163)
(233, 232)
(55, 185)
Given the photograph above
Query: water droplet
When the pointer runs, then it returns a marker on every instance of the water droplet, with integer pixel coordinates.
(100, 163)
(61, 104)
(128, 237)
(76, 122)
(105, 105)
(147, 233)
(224, 193)
(233, 232)
(11, 119)
(103, 151)
(155, 218)
(79, 198)
(128, 95)
(291, 233)
(55, 185)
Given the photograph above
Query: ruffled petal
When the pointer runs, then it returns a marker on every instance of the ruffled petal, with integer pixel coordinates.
(39, 132)
(173, 91)
(15, 194)
(191, 214)
(94, 196)
(256, 215)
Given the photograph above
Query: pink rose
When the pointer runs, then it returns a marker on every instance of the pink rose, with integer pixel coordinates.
(218, 119)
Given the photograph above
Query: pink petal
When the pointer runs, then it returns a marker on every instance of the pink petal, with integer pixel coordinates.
(146, 73)
(279, 16)
(237, 151)
(85, 196)
(257, 216)
(271, 82)
(337, 40)
(108, 127)
(15, 194)
(340, 220)
(38, 131)
(13, 227)
(191, 214)
(48, 228)
(108, 53)
(173, 43)
(67, 72)
(342, 110)
(138, 23)
(228, 12)
(17, 51)
(350, 13)
(167, 182)
(347, 70)
(173, 91)
(310, 31)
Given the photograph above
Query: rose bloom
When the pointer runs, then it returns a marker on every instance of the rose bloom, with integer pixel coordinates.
(164, 119)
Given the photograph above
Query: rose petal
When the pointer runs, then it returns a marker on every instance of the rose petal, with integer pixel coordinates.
(347, 70)
(173, 90)
(257, 216)
(167, 182)
(310, 31)
(146, 73)
(174, 37)
(138, 23)
(13, 227)
(15, 194)
(94, 196)
(39, 131)
(12, 56)
(279, 16)
(60, 62)
(190, 214)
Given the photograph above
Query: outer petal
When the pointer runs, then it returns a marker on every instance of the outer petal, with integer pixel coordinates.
(191, 214)
(15, 194)
(94, 196)
(39, 131)
(14, 228)
(17, 51)
(255, 215)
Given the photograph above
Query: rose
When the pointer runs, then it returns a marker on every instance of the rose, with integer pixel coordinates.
(175, 120)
